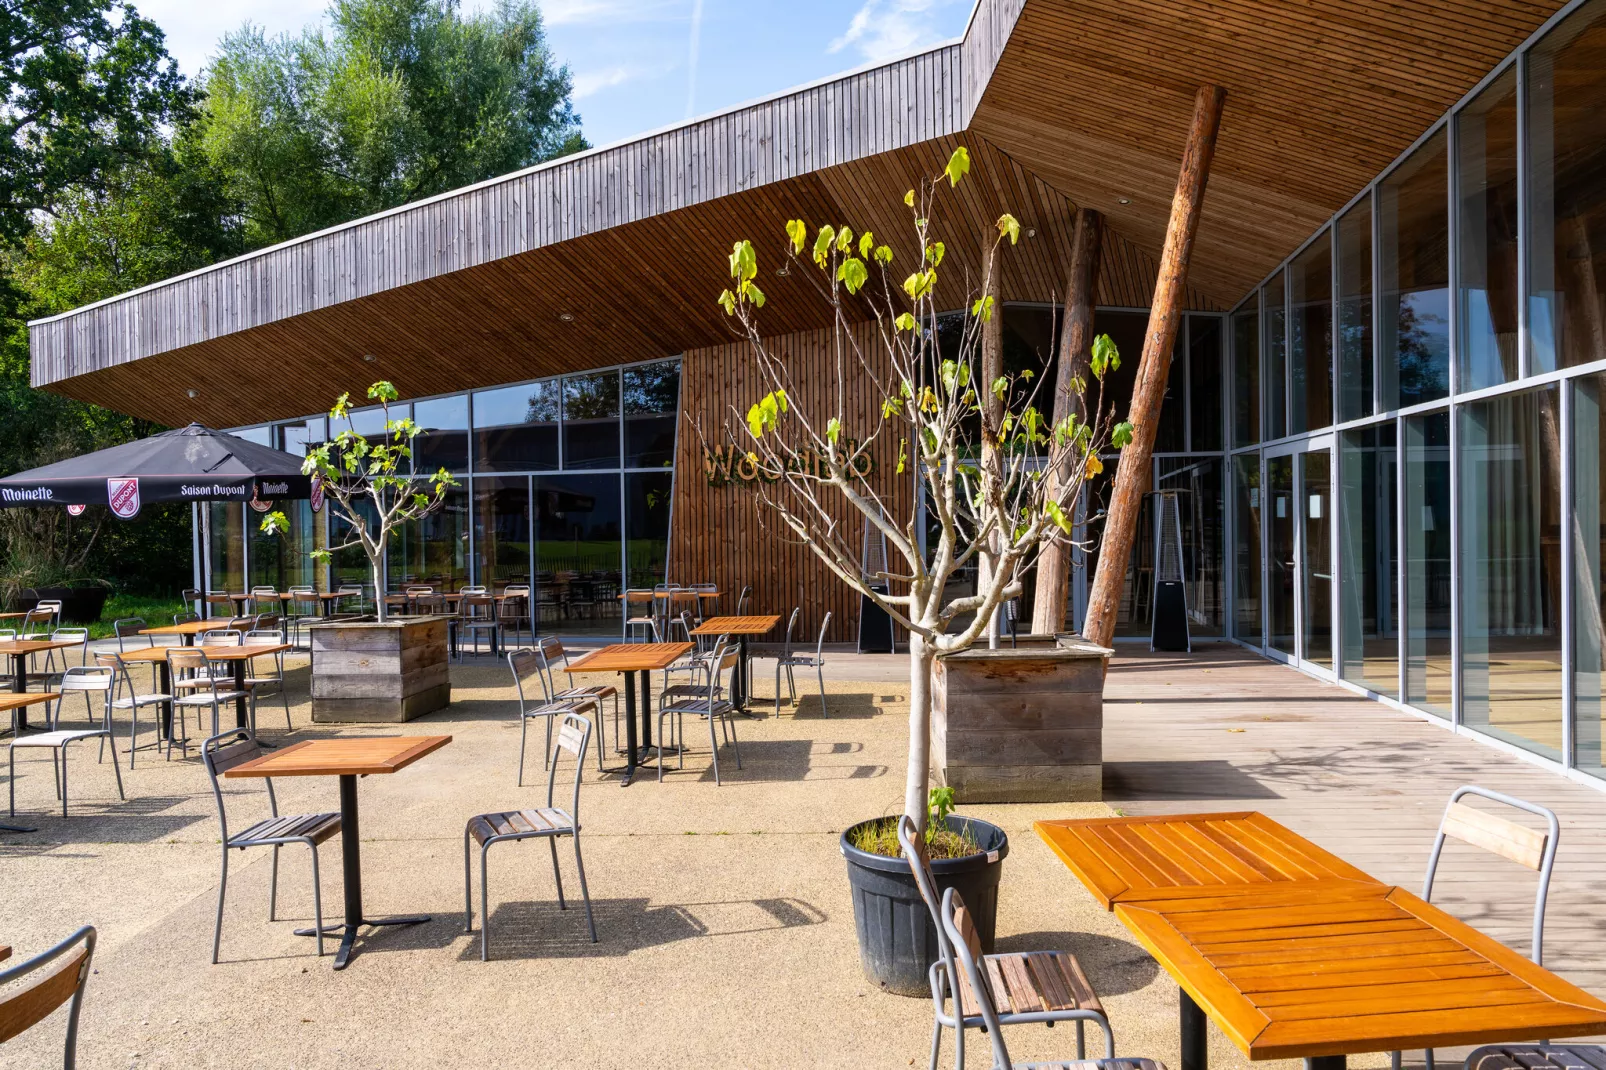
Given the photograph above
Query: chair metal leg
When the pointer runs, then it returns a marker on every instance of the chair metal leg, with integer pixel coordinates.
(11, 778)
(819, 671)
(936, 1026)
(524, 729)
(585, 893)
(713, 745)
(222, 887)
(468, 886)
(285, 697)
(557, 877)
(736, 744)
(317, 898)
(115, 767)
(63, 751)
(273, 884)
(485, 907)
(1081, 1040)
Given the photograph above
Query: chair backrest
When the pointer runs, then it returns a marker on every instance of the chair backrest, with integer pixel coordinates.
(919, 859)
(524, 664)
(221, 637)
(743, 603)
(8, 634)
(786, 644)
(37, 620)
(475, 606)
(552, 647)
(264, 591)
(418, 589)
(88, 678)
(70, 635)
(260, 637)
(129, 628)
(1525, 846)
(185, 618)
(819, 645)
(223, 752)
(189, 659)
(574, 732)
(682, 620)
(471, 589)
(24, 1007)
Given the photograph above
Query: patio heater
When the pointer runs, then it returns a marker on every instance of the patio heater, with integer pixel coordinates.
(1170, 625)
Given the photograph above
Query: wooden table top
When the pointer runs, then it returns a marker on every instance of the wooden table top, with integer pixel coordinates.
(1125, 859)
(12, 700)
(678, 595)
(5, 952)
(750, 625)
(35, 646)
(9, 616)
(631, 657)
(1351, 968)
(189, 627)
(216, 653)
(342, 757)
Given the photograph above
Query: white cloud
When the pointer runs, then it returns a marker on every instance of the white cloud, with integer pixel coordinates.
(589, 82)
(884, 29)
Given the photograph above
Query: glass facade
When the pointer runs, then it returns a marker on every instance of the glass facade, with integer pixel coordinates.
(1462, 574)
(517, 516)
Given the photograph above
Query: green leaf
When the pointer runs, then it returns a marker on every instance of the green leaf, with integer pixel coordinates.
(866, 243)
(1105, 357)
(909, 198)
(883, 254)
(958, 166)
(755, 421)
(342, 407)
(744, 261)
(383, 391)
(904, 322)
(1121, 435)
(903, 455)
(275, 523)
(727, 301)
(919, 284)
(798, 232)
(1009, 227)
(1028, 374)
(935, 251)
(844, 239)
(751, 291)
(1056, 514)
(852, 273)
(833, 430)
(891, 407)
(822, 244)
(1000, 387)
(982, 308)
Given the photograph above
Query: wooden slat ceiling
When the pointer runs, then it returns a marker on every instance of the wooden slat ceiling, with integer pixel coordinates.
(1066, 102)
(1094, 96)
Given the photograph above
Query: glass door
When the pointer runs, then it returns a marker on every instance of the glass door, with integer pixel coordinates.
(1316, 556)
(1282, 565)
(1299, 552)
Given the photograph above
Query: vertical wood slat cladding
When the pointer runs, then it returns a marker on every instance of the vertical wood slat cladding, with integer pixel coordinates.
(725, 534)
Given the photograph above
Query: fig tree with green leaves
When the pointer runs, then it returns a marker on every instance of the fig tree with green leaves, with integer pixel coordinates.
(978, 447)
(356, 471)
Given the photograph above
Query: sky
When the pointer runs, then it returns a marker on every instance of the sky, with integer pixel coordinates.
(641, 64)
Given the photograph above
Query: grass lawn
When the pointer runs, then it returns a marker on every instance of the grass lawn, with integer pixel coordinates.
(154, 610)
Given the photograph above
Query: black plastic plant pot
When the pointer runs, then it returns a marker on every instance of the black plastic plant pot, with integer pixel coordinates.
(897, 938)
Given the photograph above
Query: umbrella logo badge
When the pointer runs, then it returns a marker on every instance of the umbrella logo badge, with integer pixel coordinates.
(76, 510)
(123, 497)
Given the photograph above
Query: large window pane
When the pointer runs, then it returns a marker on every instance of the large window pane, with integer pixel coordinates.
(578, 539)
(651, 405)
(1368, 545)
(434, 550)
(1274, 351)
(1127, 330)
(296, 438)
(1246, 548)
(1198, 483)
(1282, 526)
(226, 546)
(1246, 374)
(1355, 358)
(647, 528)
(1589, 555)
(284, 560)
(349, 565)
(1310, 359)
(1414, 213)
(1486, 210)
(442, 441)
(1566, 197)
(501, 530)
(1427, 562)
(516, 428)
(1511, 569)
(1204, 382)
(591, 421)
(1316, 562)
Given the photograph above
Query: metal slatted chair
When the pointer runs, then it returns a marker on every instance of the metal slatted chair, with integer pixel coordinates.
(637, 621)
(961, 936)
(744, 604)
(89, 679)
(527, 663)
(547, 822)
(127, 632)
(68, 635)
(1537, 1057)
(1032, 986)
(264, 595)
(210, 685)
(476, 615)
(222, 753)
(24, 1007)
(134, 701)
(711, 701)
(271, 682)
(557, 657)
(1525, 846)
(791, 662)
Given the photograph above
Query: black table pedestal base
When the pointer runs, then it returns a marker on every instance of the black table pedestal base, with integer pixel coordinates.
(1191, 1025)
(1325, 1062)
(348, 932)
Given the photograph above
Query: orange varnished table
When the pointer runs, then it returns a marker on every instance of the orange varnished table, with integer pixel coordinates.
(1294, 953)
(347, 759)
(741, 628)
(631, 658)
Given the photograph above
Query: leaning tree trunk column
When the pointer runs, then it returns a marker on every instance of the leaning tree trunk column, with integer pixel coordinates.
(1076, 344)
(1165, 313)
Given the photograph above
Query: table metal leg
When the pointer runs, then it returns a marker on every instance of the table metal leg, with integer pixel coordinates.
(1325, 1062)
(630, 728)
(19, 684)
(739, 677)
(1191, 1021)
(351, 872)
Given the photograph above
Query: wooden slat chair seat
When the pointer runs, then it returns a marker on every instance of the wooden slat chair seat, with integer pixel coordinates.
(25, 1006)
(1537, 1057)
(959, 933)
(548, 822)
(1022, 987)
(235, 747)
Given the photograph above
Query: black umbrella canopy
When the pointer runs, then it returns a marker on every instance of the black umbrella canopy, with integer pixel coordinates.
(191, 464)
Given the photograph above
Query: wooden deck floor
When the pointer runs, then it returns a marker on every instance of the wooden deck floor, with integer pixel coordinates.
(1222, 729)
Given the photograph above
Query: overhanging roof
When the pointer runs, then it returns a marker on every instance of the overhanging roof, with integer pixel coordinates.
(1061, 102)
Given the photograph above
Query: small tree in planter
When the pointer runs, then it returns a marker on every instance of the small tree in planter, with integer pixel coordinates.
(1001, 480)
(353, 471)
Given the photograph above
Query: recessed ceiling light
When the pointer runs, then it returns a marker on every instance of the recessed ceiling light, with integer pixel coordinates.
(1031, 232)
(566, 317)
(369, 357)
(1124, 200)
(192, 392)
(782, 271)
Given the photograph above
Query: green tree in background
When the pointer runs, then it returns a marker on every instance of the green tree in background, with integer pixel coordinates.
(402, 99)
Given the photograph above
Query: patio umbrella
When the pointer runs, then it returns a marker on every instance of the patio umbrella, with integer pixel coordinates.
(191, 464)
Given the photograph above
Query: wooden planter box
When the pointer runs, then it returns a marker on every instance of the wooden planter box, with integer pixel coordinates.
(365, 671)
(1022, 724)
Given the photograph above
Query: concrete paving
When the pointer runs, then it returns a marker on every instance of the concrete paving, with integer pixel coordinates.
(726, 929)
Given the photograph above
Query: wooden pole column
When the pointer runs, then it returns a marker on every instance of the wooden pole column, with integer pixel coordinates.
(1165, 313)
(1076, 345)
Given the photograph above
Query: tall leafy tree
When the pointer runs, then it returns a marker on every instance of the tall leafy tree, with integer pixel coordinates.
(83, 86)
(399, 100)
